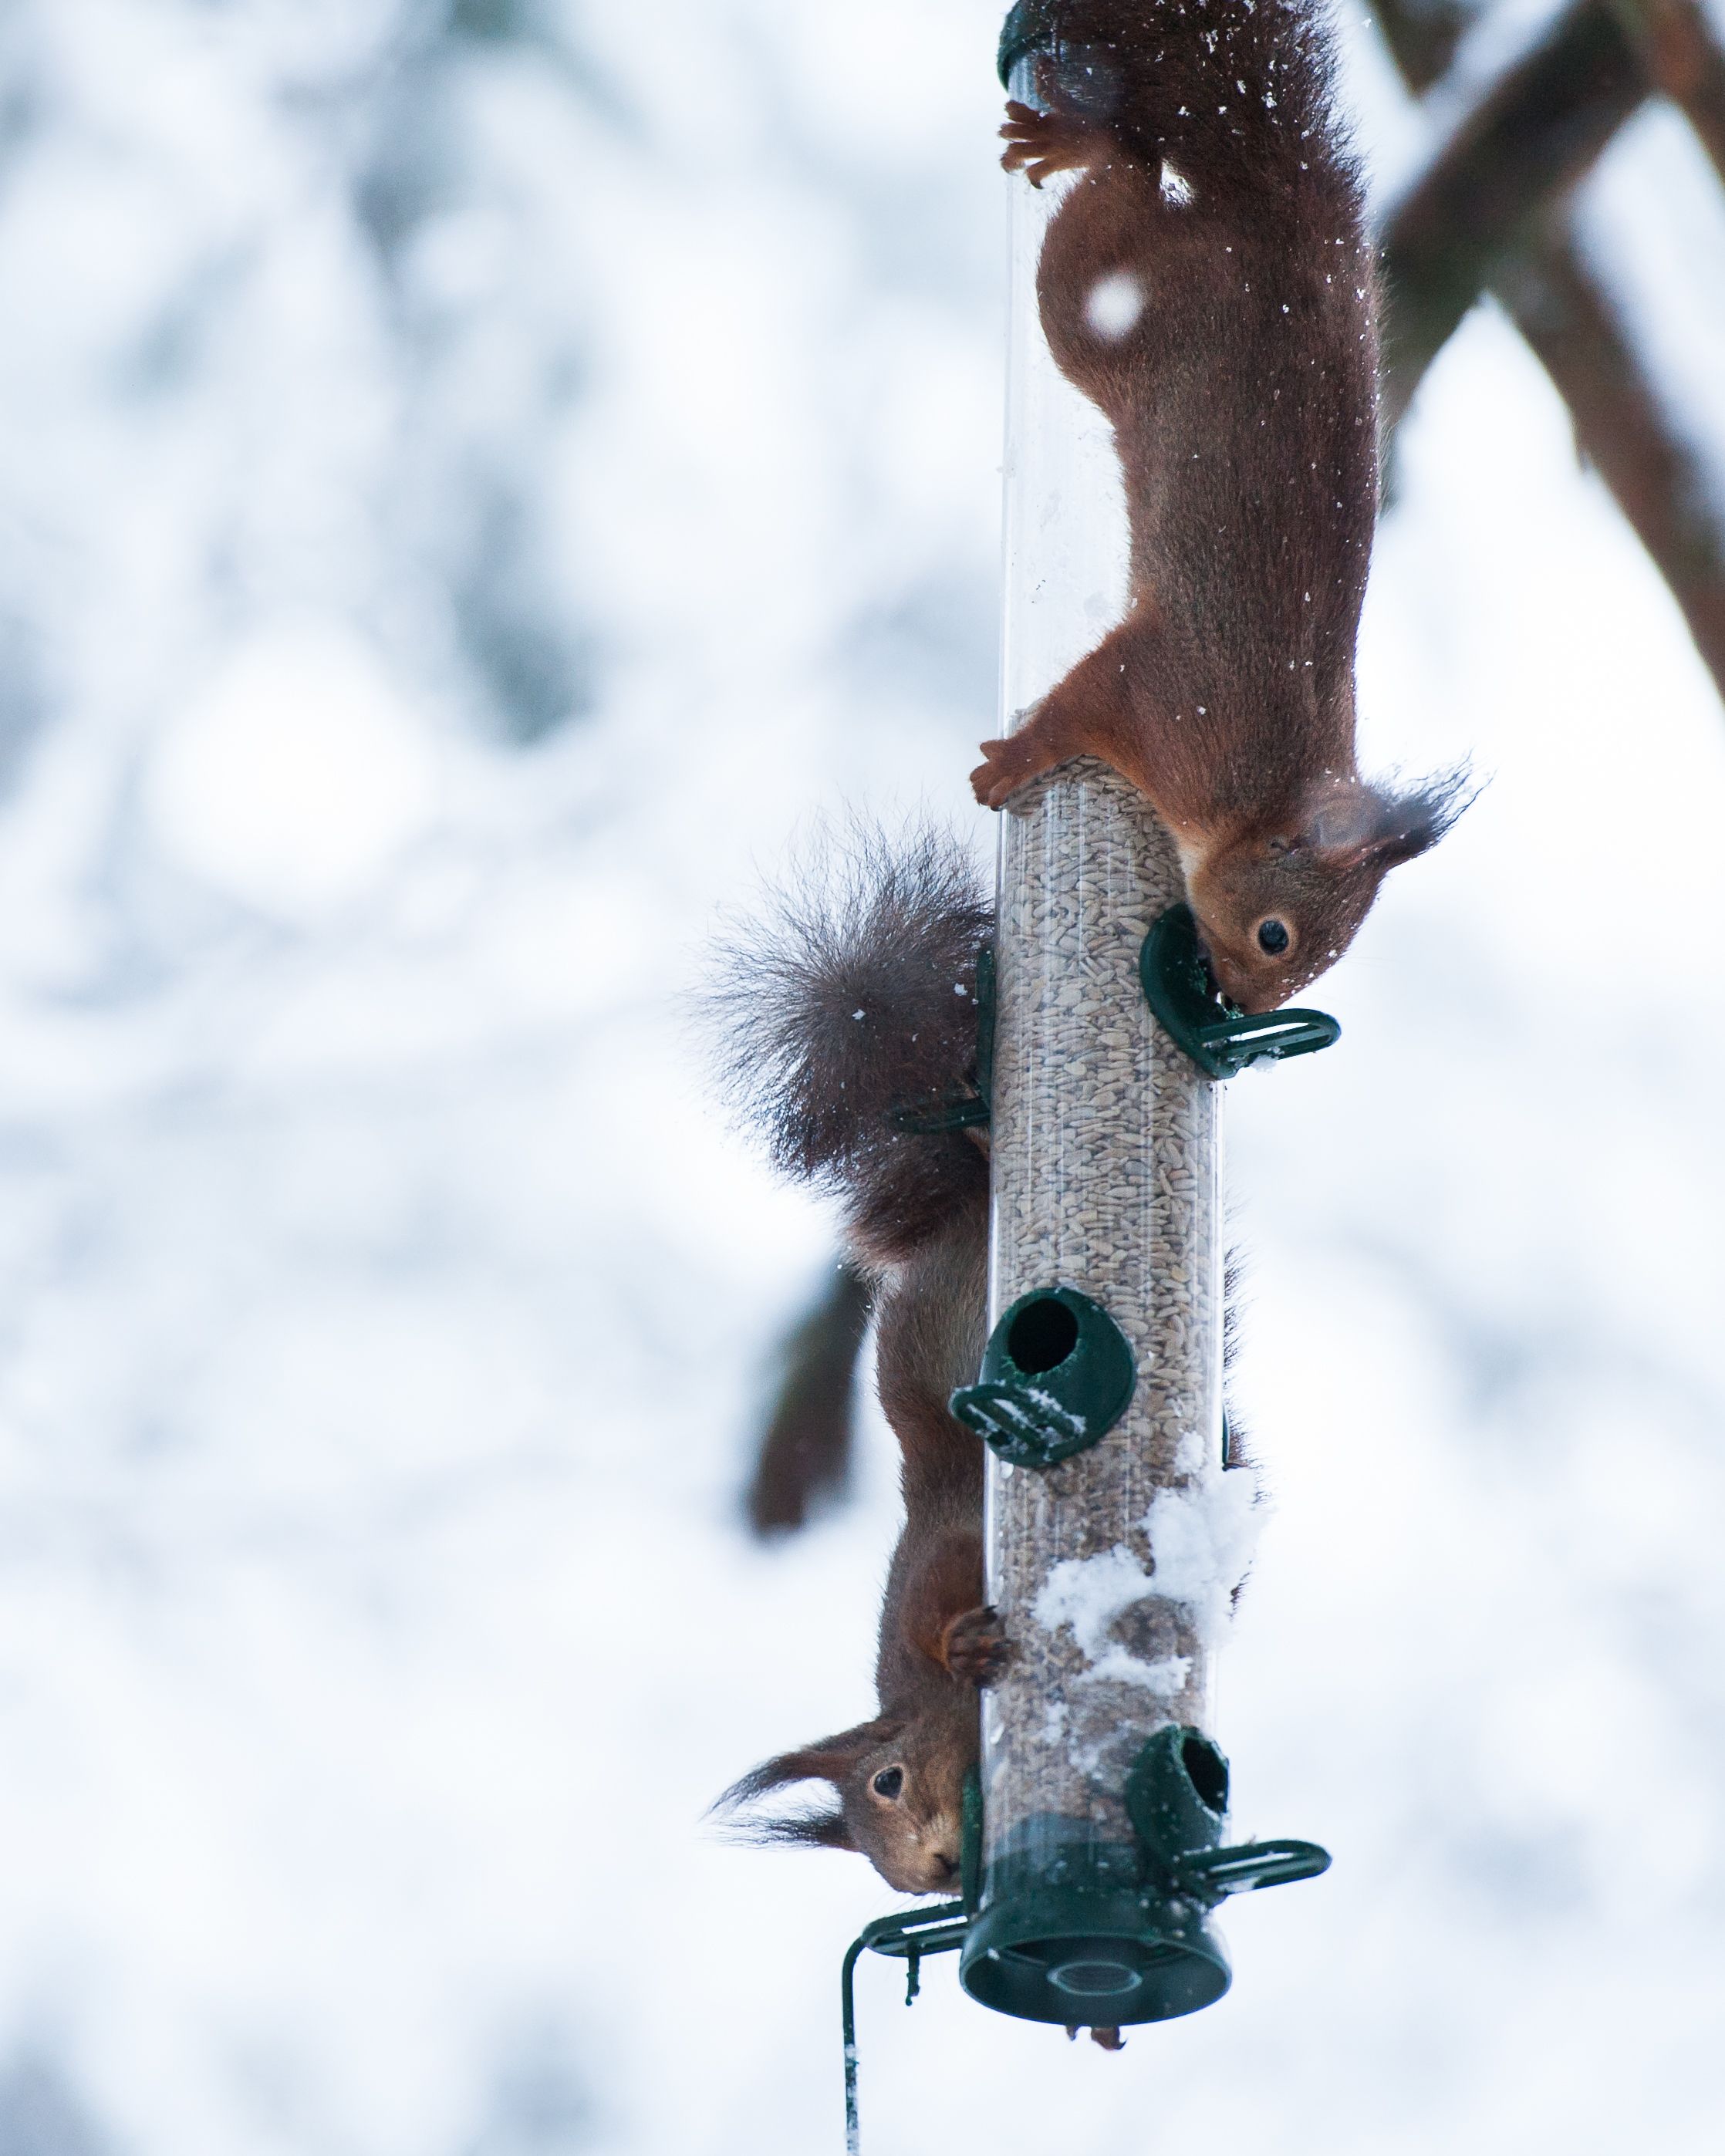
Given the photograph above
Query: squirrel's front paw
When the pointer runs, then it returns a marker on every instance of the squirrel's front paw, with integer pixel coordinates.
(994, 783)
(1039, 143)
(974, 1647)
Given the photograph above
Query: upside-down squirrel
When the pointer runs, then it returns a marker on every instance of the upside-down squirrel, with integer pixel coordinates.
(1207, 281)
(851, 1004)
(846, 1011)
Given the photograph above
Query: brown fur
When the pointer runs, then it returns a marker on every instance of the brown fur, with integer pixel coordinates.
(892, 932)
(804, 1451)
(1243, 399)
(937, 1642)
(852, 997)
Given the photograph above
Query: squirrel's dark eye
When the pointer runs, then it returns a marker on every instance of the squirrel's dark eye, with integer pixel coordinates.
(1272, 936)
(889, 1781)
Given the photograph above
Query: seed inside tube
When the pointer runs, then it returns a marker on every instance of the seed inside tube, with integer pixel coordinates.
(1105, 1151)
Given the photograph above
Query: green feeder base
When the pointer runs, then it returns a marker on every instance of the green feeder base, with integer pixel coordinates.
(1065, 1926)
(1092, 1958)
(1076, 1929)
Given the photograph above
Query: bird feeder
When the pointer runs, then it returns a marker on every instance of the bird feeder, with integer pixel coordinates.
(1115, 1532)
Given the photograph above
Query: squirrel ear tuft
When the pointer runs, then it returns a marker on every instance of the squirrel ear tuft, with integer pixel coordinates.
(827, 1759)
(1358, 825)
(811, 1831)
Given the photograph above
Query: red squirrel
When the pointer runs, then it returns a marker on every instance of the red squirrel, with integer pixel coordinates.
(1207, 281)
(851, 1003)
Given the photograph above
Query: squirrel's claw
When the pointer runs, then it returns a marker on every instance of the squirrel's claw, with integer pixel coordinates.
(974, 1647)
(1039, 143)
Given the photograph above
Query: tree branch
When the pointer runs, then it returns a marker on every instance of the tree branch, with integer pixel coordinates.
(1525, 144)
(1680, 56)
(1422, 36)
(1573, 327)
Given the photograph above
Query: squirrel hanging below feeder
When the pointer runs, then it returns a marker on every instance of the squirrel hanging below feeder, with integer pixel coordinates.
(1207, 281)
(850, 1009)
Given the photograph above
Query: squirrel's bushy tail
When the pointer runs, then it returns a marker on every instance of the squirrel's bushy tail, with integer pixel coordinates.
(848, 1004)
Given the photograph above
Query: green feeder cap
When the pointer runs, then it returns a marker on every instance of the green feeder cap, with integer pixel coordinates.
(1032, 27)
(1057, 1374)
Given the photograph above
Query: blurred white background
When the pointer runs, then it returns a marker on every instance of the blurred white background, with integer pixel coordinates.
(474, 477)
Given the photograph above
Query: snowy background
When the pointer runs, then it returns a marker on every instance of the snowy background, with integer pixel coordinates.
(474, 477)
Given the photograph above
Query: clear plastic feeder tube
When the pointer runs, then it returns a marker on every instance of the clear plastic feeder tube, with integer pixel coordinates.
(1105, 1163)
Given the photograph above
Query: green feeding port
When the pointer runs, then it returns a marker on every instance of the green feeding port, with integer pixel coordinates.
(1086, 1926)
(1057, 1374)
(1221, 1040)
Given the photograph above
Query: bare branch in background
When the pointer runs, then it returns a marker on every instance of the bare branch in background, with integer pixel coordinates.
(1573, 327)
(805, 1450)
(1572, 324)
(1424, 36)
(1524, 145)
(1681, 56)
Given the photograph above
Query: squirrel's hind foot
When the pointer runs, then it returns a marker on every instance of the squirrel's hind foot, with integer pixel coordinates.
(1038, 144)
(974, 1647)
